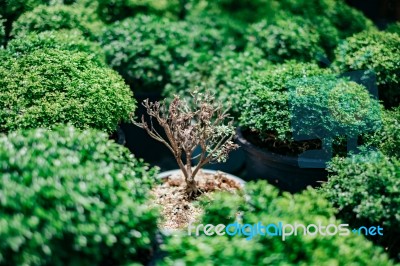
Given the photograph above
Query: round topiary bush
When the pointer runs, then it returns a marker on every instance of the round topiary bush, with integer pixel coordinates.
(222, 73)
(262, 204)
(286, 39)
(71, 40)
(71, 197)
(294, 102)
(48, 87)
(387, 138)
(365, 188)
(377, 52)
(57, 17)
(114, 10)
(394, 28)
(142, 49)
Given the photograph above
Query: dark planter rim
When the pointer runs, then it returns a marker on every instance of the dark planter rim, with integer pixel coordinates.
(291, 160)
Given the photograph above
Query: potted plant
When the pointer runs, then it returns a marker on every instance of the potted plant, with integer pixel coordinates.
(186, 126)
(295, 117)
(46, 87)
(72, 197)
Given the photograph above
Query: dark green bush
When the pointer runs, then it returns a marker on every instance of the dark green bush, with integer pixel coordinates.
(263, 205)
(221, 73)
(114, 10)
(394, 28)
(142, 49)
(2, 31)
(71, 40)
(264, 105)
(57, 17)
(286, 39)
(71, 197)
(325, 106)
(374, 51)
(387, 138)
(365, 188)
(47, 87)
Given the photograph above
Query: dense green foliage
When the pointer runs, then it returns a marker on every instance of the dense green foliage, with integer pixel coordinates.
(45, 18)
(142, 49)
(394, 28)
(264, 103)
(326, 106)
(365, 188)
(286, 39)
(114, 10)
(71, 40)
(47, 87)
(374, 51)
(2, 31)
(73, 198)
(221, 73)
(387, 138)
(262, 204)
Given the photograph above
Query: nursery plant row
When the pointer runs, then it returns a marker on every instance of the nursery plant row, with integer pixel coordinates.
(296, 102)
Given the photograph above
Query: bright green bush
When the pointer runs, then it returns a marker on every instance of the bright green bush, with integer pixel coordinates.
(262, 204)
(387, 138)
(221, 73)
(286, 39)
(71, 197)
(47, 87)
(57, 17)
(378, 52)
(71, 40)
(394, 28)
(264, 103)
(142, 49)
(365, 188)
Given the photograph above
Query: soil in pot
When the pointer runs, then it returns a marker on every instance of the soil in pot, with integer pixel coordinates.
(176, 209)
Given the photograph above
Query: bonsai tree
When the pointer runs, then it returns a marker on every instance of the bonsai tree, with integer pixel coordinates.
(72, 197)
(187, 126)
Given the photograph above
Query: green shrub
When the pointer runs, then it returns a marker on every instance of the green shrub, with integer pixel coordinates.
(374, 51)
(71, 197)
(263, 205)
(47, 87)
(71, 40)
(264, 105)
(325, 106)
(365, 188)
(387, 138)
(222, 73)
(142, 49)
(114, 10)
(286, 39)
(2, 31)
(242, 10)
(46, 18)
(394, 28)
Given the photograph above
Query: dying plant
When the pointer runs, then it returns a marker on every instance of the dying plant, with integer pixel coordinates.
(201, 123)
